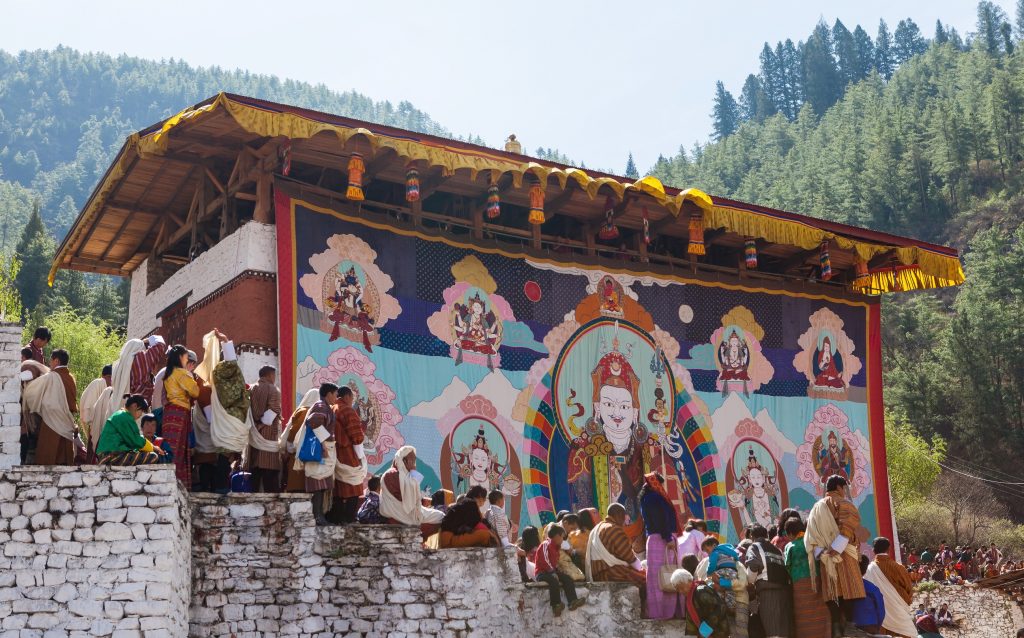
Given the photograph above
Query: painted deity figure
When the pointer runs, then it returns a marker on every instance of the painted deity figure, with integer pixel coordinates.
(476, 329)
(349, 311)
(834, 459)
(734, 357)
(758, 497)
(368, 414)
(828, 367)
(478, 466)
(613, 452)
(611, 300)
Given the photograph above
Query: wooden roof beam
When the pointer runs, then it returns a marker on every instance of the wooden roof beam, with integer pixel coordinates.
(799, 259)
(431, 184)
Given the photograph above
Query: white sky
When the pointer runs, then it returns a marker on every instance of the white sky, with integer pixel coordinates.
(596, 79)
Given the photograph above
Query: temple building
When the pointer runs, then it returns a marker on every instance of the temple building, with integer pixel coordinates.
(546, 330)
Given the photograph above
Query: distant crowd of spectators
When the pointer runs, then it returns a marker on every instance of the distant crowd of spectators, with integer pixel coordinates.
(959, 565)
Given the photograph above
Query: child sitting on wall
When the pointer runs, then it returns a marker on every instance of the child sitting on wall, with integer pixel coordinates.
(548, 572)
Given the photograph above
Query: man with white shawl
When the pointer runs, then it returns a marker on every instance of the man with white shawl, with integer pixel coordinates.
(111, 398)
(610, 554)
(290, 439)
(87, 415)
(893, 581)
(31, 369)
(832, 535)
(400, 498)
(53, 397)
(320, 475)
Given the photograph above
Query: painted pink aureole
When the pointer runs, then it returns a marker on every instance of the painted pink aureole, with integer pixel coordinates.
(350, 361)
(829, 418)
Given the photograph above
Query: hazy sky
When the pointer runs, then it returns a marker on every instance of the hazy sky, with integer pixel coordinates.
(596, 80)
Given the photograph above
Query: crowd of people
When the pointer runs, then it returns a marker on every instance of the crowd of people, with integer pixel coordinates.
(163, 404)
(958, 565)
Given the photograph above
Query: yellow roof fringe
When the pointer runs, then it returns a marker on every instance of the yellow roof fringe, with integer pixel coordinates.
(935, 270)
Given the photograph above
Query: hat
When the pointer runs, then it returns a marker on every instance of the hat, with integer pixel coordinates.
(192, 356)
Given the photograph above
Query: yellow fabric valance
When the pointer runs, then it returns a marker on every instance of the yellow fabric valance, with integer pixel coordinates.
(933, 269)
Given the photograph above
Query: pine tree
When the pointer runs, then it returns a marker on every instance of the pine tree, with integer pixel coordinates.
(1007, 32)
(771, 78)
(35, 250)
(725, 116)
(865, 51)
(822, 85)
(941, 37)
(990, 21)
(754, 103)
(791, 78)
(1020, 19)
(846, 53)
(907, 41)
(631, 171)
(884, 61)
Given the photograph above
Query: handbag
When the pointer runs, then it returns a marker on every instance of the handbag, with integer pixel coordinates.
(311, 450)
(667, 569)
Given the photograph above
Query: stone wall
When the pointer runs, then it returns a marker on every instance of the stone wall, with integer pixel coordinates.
(252, 247)
(10, 395)
(982, 613)
(261, 568)
(93, 551)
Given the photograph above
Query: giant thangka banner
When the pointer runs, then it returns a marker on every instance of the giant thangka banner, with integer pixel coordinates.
(562, 384)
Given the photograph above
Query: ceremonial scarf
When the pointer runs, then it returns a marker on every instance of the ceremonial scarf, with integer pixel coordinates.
(226, 430)
(409, 509)
(311, 397)
(822, 530)
(92, 393)
(46, 397)
(120, 382)
(597, 551)
(897, 611)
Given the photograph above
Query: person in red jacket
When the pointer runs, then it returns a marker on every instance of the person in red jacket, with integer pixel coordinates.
(547, 572)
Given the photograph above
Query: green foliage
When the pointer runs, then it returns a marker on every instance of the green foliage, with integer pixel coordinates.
(91, 344)
(10, 300)
(35, 249)
(725, 115)
(913, 463)
(631, 171)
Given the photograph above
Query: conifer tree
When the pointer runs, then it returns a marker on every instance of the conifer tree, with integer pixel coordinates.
(725, 116)
(989, 35)
(846, 53)
(631, 171)
(771, 77)
(754, 103)
(884, 61)
(941, 37)
(865, 51)
(1020, 20)
(35, 249)
(822, 86)
(907, 41)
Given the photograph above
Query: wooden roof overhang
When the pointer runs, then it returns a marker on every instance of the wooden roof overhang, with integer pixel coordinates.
(179, 186)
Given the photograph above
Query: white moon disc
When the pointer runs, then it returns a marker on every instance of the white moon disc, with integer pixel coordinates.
(685, 313)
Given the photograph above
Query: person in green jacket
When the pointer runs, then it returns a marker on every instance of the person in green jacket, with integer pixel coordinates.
(811, 616)
(121, 441)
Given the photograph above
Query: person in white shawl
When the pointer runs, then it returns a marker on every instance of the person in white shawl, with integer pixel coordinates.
(400, 498)
(111, 398)
(90, 396)
(894, 582)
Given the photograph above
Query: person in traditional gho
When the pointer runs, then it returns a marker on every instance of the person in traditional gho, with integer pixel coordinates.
(145, 364)
(52, 396)
(706, 612)
(180, 392)
(121, 441)
(295, 477)
(464, 526)
(40, 339)
(369, 510)
(87, 414)
(661, 526)
(610, 554)
(546, 567)
(496, 516)
(766, 564)
(320, 476)
(265, 405)
(831, 538)
(350, 470)
(811, 616)
(400, 499)
(149, 431)
(30, 370)
(892, 580)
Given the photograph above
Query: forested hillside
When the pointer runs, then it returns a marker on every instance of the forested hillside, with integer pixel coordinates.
(921, 137)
